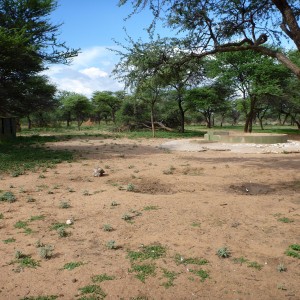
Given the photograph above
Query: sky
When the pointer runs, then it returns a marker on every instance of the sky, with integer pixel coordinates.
(92, 25)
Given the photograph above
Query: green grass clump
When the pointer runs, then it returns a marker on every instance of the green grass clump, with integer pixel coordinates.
(56, 226)
(201, 273)
(7, 197)
(143, 271)
(21, 224)
(72, 265)
(95, 290)
(8, 241)
(293, 251)
(25, 261)
(147, 252)
(285, 220)
(190, 261)
(37, 218)
(52, 297)
(171, 276)
(151, 207)
(223, 252)
(102, 277)
(255, 265)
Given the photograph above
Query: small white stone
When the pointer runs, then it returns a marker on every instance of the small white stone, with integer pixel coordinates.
(69, 222)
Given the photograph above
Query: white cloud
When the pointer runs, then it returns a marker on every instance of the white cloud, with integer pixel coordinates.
(89, 71)
(94, 73)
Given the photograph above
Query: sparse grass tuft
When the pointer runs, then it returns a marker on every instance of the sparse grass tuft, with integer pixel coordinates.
(281, 268)
(190, 261)
(201, 273)
(107, 227)
(255, 265)
(8, 241)
(7, 197)
(72, 265)
(171, 276)
(151, 207)
(52, 297)
(102, 277)
(25, 261)
(285, 220)
(64, 204)
(46, 251)
(223, 252)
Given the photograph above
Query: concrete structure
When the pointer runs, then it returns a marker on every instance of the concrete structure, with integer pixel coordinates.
(238, 137)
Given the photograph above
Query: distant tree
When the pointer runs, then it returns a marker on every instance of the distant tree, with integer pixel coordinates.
(78, 105)
(208, 100)
(107, 100)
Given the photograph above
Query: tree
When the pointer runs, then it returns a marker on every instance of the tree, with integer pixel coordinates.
(28, 41)
(214, 26)
(253, 76)
(78, 105)
(180, 77)
(208, 100)
(107, 100)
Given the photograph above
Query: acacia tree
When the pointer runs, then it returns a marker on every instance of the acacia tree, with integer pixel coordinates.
(214, 26)
(28, 41)
(209, 99)
(78, 105)
(253, 76)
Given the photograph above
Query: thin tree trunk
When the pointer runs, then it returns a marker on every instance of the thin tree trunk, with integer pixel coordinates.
(29, 122)
(181, 115)
(152, 120)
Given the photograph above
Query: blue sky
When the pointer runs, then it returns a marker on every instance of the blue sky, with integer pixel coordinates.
(92, 25)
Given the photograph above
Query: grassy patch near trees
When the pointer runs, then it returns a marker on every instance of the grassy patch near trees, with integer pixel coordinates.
(27, 154)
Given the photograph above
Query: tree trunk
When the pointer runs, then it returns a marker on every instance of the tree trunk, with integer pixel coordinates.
(29, 122)
(261, 123)
(152, 120)
(250, 116)
(181, 115)
(285, 118)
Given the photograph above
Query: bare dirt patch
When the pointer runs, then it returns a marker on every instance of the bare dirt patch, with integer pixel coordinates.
(152, 226)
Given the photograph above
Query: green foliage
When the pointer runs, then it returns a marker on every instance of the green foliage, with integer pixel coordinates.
(25, 261)
(201, 273)
(72, 265)
(285, 220)
(293, 251)
(7, 197)
(151, 207)
(255, 265)
(171, 276)
(20, 155)
(143, 271)
(95, 290)
(102, 277)
(223, 252)
(8, 241)
(28, 40)
(190, 261)
(52, 297)
(147, 252)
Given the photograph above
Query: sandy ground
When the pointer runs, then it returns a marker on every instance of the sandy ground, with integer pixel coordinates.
(190, 203)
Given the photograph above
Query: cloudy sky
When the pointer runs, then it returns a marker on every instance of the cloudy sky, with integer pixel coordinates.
(92, 25)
